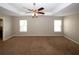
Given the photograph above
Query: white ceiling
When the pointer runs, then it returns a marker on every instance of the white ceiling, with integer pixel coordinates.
(55, 9)
(71, 9)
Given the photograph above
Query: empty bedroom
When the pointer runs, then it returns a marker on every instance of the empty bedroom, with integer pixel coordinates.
(39, 28)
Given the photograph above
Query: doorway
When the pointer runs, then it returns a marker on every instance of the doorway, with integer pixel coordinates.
(1, 28)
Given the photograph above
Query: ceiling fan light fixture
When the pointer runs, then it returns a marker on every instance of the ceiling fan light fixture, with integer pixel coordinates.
(34, 15)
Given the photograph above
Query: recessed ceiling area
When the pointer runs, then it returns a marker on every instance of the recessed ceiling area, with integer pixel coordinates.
(50, 9)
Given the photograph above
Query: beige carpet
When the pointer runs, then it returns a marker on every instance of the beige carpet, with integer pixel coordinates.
(38, 45)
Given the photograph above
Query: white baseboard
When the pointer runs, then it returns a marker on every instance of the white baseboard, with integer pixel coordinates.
(71, 39)
(6, 38)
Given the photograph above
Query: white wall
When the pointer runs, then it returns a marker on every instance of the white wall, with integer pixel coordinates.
(7, 27)
(41, 26)
(71, 27)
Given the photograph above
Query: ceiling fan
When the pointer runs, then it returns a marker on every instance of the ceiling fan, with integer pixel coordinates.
(35, 11)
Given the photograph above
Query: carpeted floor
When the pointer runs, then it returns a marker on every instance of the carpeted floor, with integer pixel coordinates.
(38, 45)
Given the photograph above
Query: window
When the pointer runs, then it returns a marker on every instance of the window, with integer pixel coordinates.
(23, 25)
(57, 25)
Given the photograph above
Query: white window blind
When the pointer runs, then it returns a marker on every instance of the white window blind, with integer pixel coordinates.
(57, 25)
(23, 25)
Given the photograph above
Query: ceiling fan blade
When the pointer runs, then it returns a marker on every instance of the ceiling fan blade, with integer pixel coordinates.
(40, 9)
(28, 9)
(40, 12)
(28, 12)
